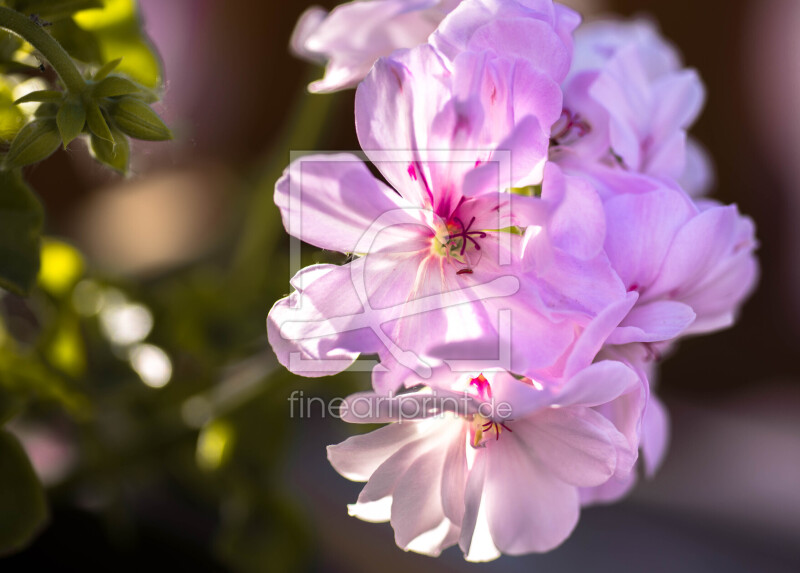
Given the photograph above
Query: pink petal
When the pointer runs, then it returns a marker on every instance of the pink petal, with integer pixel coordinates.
(331, 201)
(641, 229)
(598, 384)
(528, 508)
(574, 443)
(358, 457)
(655, 435)
(653, 322)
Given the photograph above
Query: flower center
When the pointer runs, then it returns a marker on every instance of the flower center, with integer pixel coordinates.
(569, 128)
(459, 243)
(483, 429)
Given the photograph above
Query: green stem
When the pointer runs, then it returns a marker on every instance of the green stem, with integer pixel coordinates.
(49, 48)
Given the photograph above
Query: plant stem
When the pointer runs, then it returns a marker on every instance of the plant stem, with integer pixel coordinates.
(52, 51)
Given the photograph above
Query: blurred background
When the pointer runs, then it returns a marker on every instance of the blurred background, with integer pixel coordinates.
(188, 457)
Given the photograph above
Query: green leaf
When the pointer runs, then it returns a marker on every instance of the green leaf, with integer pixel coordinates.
(23, 507)
(116, 155)
(34, 142)
(42, 96)
(106, 69)
(136, 119)
(21, 219)
(97, 123)
(115, 86)
(71, 119)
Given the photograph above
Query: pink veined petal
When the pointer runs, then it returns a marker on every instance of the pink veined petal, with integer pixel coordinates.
(626, 413)
(384, 479)
(355, 34)
(668, 159)
(654, 322)
(680, 99)
(529, 39)
(454, 34)
(331, 201)
(597, 384)
(513, 399)
(587, 286)
(612, 491)
(528, 508)
(504, 91)
(698, 177)
(358, 457)
(641, 229)
(327, 333)
(454, 477)
(655, 435)
(433, 541)
(592, 339)
(574, 443)
(307, 24)
(473, 495)
(578, 224)
(372, 408)
(417, 505)
(396, 107)
(698, 248)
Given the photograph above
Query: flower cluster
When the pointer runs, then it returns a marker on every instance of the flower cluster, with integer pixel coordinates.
(540, 242)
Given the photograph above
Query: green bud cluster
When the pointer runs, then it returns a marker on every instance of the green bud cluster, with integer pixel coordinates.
(110, 110)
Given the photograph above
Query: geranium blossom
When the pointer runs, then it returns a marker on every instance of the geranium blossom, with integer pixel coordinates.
(438, 268)
(500, 472)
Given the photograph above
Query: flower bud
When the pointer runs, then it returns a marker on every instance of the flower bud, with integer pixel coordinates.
(135, 118)
(34, 142)
(116, 155)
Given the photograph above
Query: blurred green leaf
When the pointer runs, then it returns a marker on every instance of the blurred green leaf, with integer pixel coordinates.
(12, 118)
(21, 219)
(135, 118)
(79, 43)
(70, 119)
(62, 267)
(34, 142)
(23, 507)
(263, 533)
(116, 155)
(10, 405)
(117, 29)
(27, 375)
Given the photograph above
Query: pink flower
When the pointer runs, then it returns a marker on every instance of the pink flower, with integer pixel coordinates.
(499, 471)
(438, 267)
(354, 35)
(630, 101)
